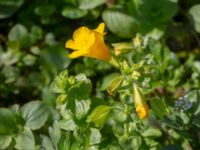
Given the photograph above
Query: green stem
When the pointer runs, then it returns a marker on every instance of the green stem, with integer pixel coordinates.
(126, 132)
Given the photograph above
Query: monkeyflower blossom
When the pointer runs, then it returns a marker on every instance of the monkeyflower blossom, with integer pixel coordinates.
(89, 43)
(140, 103)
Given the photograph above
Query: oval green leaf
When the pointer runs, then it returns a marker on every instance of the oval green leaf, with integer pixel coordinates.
(120, 23)
(25, 140)
(9, 7)
(35, 114)
(99, 115)
(195, 13)
(88, 4)
(9, 122)
(73, 13)
(5, 141)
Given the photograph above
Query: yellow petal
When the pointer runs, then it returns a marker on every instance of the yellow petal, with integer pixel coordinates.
(100, 28)
(99, 49)
(78, 53)
(83, 38)
(80, 34)
(70, 44)
(89, 43)
(142, 111)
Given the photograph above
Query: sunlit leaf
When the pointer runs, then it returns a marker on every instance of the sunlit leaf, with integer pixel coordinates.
(88, 4)
(99, 115)
(73, 13)
(35, 114)
(195, 13)
(5, 141)
(114, 19)
(25, 140)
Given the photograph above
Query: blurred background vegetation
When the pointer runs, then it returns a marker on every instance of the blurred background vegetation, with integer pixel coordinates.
(32, 53)
(32, 36)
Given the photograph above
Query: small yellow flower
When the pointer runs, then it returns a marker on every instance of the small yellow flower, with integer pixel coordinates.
(89, 43)
(140, 103)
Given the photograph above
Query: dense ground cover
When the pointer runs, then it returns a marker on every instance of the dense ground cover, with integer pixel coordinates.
(135, 82)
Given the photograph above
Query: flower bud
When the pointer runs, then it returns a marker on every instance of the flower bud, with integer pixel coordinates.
(140, 103)
(137, 41)
(122, 48)
(114, 85)
(135, 75)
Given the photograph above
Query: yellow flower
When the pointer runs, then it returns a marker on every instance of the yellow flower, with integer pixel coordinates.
(89, 43)
(140, 103)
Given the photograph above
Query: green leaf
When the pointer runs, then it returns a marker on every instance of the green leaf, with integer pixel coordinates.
(29, 60)
(36, 35)
(25, 140)
(130, 142)
(117, 112)
(172, 147)
(5, 141)
(11, 73)
(159, 107)
(184, 117)
(1, 53)
(195, 13)
(73, 12)
(75, 145)
(152, 132)
(46, 143)
(67, 124)
(82, 107)
(193, 98)
(19, 34)
(114, 19)
(107, 80)
(62, 98)
(81, 89)
(11, 57)
(54, 61)
(196, 66)
(192, 105)
(9, 7)
(174, 134)
(88, 4)
(60, 83)
(45, 10)
(155, 48)
(95, 136)
(114, 85)
(35, 114)
(153, 14)
(55, 133)
(9, 123)
(65, 141)
(99, 115)
(136, 142)
(35, 50)
(15, 108)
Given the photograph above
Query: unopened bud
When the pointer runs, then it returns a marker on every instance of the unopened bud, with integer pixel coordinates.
(122, 48)
(140, 103)
(114, 85)
(135, 75)
(137, 41)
